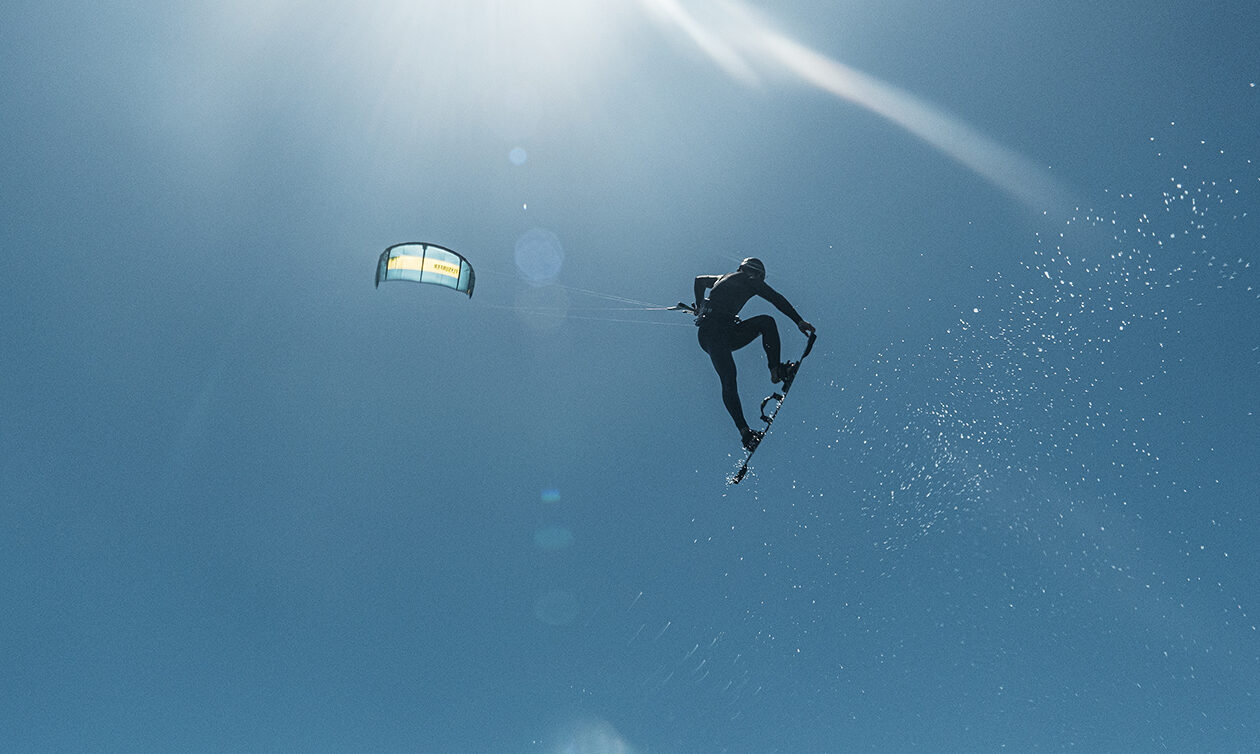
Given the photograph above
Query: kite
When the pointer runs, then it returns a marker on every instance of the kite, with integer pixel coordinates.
(426, 263)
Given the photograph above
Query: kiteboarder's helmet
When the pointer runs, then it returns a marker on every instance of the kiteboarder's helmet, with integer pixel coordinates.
(753, 266)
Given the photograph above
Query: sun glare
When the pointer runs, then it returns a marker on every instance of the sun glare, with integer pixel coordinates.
(438, 62)
(443, 65)
(735, 37)
(553, 49)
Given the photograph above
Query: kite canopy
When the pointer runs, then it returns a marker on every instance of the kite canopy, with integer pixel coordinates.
(426, 263)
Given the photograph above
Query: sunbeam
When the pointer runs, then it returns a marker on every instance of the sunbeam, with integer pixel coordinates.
(738, 29)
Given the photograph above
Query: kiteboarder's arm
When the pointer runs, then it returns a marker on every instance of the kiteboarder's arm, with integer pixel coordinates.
(781, 303)
(703, 283)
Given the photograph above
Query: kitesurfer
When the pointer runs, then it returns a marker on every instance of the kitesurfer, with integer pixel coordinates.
(722, 331)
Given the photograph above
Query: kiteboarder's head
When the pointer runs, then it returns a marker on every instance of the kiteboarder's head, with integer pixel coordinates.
(754, 267)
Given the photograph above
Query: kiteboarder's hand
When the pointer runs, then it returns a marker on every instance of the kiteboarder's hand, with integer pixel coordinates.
(806, 328)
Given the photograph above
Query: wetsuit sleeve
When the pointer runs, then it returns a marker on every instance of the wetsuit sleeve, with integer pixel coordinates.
(780, 303)
(703, 283)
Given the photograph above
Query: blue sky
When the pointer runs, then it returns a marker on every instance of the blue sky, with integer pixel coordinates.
(251, 502)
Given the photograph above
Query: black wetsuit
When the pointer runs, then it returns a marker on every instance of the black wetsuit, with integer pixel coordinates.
(722, 332)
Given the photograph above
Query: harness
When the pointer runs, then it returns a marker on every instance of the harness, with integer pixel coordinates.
(708, 316)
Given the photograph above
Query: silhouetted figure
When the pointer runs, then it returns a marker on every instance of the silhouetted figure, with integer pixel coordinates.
(722, 332)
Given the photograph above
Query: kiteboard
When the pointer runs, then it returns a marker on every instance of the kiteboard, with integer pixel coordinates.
(778, 398)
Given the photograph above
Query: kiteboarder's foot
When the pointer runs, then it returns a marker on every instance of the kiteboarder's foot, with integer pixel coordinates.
(750, 438)
(781, 372)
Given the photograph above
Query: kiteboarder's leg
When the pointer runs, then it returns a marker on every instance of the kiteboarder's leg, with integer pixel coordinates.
(718, 342)
(724, 364)
(765, 326)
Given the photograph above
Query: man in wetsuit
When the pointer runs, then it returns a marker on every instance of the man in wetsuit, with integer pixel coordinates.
(722, 332)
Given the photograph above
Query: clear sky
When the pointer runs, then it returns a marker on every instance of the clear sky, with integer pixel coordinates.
(249, 502)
